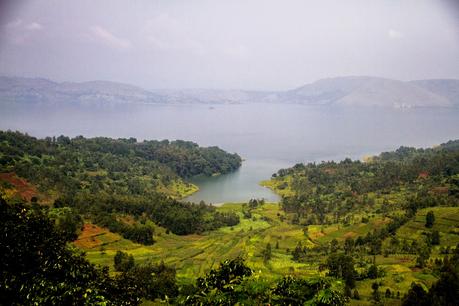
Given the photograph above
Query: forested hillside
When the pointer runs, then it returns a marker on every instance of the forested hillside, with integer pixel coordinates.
(112, 165)
(399, 195)
(105, 179)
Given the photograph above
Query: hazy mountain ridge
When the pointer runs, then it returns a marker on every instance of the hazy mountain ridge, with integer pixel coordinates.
(356, 91)
(445, 87)
(371, 91)
(42, 91)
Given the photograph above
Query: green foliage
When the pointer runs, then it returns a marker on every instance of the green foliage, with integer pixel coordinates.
(154, 281)
(416, 296)
(375, 294)
(230, 273)
(219, 285)
(231, 284)
(342, 266)
(267, 253)
(430, 219)
(315, 291)
(67, 221)
(37, 267)
(444, 292)
(123, 262)
(356, 295)
(101, 177)
(435, 237)
(183, 157)
(388, 293)
(300, 252)
(180, 218)
(349, 245)
(122, 166)
(331, 192)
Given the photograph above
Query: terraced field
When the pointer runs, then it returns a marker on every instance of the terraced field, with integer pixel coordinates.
(194, 255)
(446, 222)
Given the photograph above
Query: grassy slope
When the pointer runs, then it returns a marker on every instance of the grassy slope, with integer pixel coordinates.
(280, 185)
(194, 255)
(12, 186)
(179, 189)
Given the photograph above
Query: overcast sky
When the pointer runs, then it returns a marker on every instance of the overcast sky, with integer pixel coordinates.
(268, 45)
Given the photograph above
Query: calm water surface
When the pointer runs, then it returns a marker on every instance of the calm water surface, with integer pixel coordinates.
(267, 136)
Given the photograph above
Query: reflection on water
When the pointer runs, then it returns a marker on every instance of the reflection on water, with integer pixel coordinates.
(267, 136)
(238, 186)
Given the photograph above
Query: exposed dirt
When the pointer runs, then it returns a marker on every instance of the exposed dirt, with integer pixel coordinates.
(23, 189)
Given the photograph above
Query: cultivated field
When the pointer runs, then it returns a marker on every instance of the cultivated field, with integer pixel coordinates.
(194, 255)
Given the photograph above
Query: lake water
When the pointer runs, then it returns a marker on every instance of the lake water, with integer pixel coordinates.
(267, 136)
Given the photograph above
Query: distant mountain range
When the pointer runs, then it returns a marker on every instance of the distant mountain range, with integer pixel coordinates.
(341, 91)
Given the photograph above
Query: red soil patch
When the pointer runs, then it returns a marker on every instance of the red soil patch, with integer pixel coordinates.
(316, 235)
(90, 230)
(330, 170)
(440, 190)
(423, 175)
(93, 236)
(88, 237)
(23, 188)
(350, 235)
(404, 259)
(380, 222)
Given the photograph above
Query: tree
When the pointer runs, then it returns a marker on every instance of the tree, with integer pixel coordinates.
(416, 296)
(67, 221)
(348, 245)
(356, 294)
(299, 252)
(375, 295)
(315, 291)
(342, 266)
(123, 262)
(347, 291)
(39, 269)
(423, 256)
(388, 293)
(154, 280)
(375, 246)
(334, 245)
(267, 253)
(430, 219)
(218, 286)
(435, 238)
(372, 272)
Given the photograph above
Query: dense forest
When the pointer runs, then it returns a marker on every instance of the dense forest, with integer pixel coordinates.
(104, 179)
(114, 166)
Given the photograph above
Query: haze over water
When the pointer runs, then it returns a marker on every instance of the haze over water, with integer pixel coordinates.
(267, 136)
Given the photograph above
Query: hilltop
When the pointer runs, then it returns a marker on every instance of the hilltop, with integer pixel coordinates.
(352, 91)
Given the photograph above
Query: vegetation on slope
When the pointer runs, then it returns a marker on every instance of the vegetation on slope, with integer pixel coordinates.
(38, 267)
(380, 232)
(113, 166)
(103, 179)
(399, 186)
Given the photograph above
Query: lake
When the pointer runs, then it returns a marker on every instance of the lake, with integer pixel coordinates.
(267, 136)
